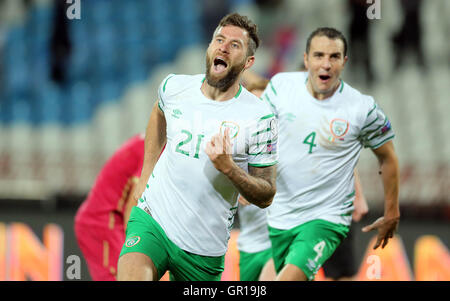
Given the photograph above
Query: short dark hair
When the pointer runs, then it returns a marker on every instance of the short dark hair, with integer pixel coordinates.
(330, 33)
(243, 22)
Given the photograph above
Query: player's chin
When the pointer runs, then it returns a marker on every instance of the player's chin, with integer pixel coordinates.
(217, 76)
(325, 86)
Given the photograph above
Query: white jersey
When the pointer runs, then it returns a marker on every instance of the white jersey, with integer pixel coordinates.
(254, 234)
(319, 146)
(193, 202)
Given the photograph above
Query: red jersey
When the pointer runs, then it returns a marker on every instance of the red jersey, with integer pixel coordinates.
(105, 203)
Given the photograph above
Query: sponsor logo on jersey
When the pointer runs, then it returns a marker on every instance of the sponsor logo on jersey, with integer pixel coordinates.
(234, 128)
(132, 241)
(339, 128)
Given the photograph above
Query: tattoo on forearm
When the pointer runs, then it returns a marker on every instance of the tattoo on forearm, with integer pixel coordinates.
(258, 186)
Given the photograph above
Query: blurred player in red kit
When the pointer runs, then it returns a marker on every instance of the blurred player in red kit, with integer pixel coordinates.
(101, 220)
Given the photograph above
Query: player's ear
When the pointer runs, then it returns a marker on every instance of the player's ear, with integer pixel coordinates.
(305, 60)
(249, 62)
(345, 60)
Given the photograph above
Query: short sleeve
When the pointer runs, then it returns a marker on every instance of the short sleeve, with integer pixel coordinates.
(263, 141)
(377, 128)
(162, 90)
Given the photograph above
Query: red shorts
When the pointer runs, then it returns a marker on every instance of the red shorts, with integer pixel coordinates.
(101, 247)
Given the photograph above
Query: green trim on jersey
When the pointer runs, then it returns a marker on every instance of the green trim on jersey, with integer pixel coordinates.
(270, 102)
(159, 106)
(239, 92)
(260, 132)
(262, 165)
(351, 194)
(165, 83)
(347, 214)
(382, 142)
(267, 117)
(262, 153)
(266, 142)
(370, 112)
(369, 124)
(342, 86)
(384, 123)
(347, 205)
(273, 88)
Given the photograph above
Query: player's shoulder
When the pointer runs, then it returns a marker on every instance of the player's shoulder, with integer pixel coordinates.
(251, 104)
(285, 83)
(174, 84)
(286, 78)
(355, 96)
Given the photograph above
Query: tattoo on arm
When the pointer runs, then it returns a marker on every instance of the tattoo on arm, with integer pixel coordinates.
(258, 186)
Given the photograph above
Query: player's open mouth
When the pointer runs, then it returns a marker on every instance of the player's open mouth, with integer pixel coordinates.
(219, 65)
(324, 78)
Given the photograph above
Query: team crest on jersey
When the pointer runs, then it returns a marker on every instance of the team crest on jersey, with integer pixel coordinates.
(339, 128)
(234, 128)
(132, 241)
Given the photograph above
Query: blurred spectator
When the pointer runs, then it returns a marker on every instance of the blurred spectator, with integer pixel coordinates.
(60, 42)
(359, 38)
(409, 38)
(285, 38)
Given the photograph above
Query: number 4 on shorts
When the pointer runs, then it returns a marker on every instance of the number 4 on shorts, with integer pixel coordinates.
(310, 141)
(319, 250)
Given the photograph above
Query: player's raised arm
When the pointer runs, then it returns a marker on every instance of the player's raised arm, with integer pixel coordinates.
(155, 139)
(258, 186)
(387, 224)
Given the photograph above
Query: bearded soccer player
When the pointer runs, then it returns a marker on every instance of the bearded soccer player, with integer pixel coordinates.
(101, 219)
(324, 124)
(221, 142)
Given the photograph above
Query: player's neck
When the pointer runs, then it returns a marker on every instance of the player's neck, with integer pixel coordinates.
(214, 93)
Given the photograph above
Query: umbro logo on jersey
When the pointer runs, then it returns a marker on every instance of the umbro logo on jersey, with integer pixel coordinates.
(176, 113)
(290, 117)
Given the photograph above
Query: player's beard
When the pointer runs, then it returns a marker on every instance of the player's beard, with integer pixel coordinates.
(225, 82)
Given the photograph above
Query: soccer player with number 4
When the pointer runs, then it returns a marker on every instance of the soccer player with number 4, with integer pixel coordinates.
(323, 125)
(221, 143)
